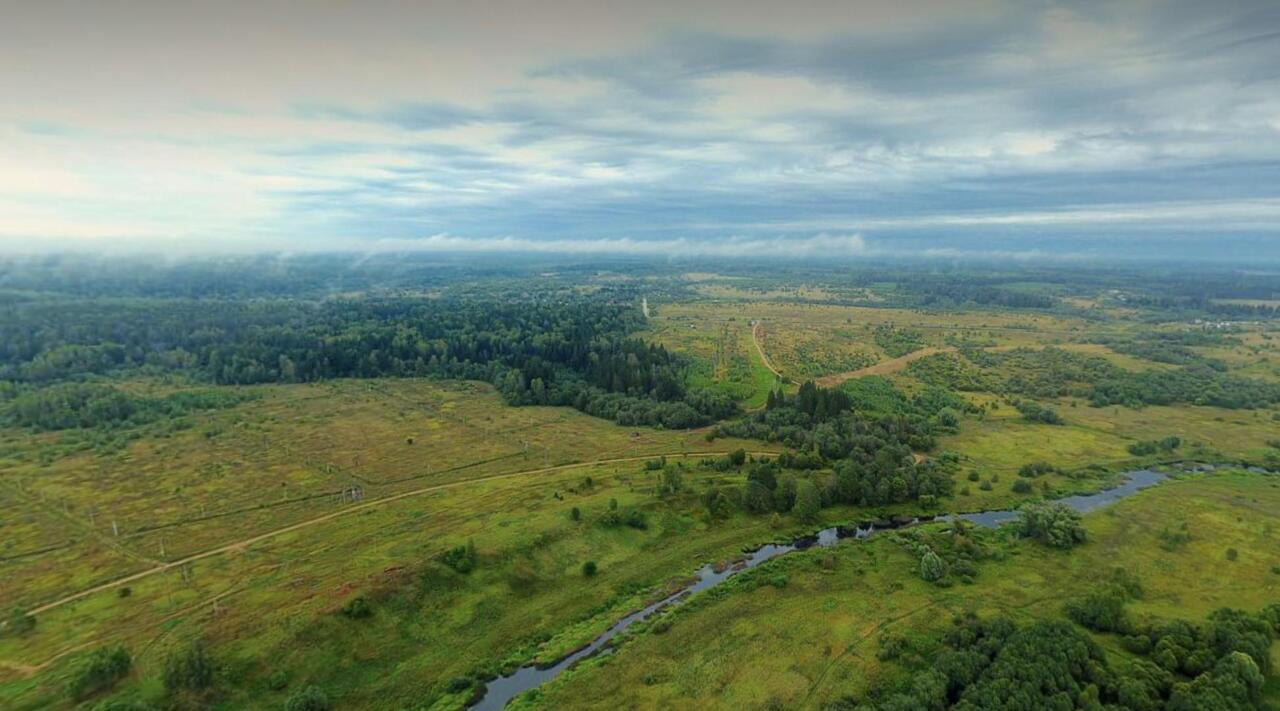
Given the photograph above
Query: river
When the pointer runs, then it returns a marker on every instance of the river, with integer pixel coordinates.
(501, 690)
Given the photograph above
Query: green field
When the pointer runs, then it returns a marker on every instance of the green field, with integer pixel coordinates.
(411, 522)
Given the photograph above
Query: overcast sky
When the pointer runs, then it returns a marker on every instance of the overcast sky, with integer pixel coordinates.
(847, 128)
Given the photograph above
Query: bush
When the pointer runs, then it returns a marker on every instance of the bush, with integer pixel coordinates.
(589, 569)
(1173, 540)
(891, 647)
(1035, 469)
(20, 623)
(932, 569)
(1034, 412)
(459, 684)
(461, 558)
(1055, 525)
(986, 486)
(357, 608)
(101, 670)
(575, 514)
(1101, 612)
(278, 680)
(191, 669)
(311, 698)
(1022, 486)
(973, 475)
(1232, 554)
(628, 517)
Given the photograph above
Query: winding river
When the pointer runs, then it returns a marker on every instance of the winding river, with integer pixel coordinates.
(501, 690)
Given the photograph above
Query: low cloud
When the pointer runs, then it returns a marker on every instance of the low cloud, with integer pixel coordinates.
(821, 245)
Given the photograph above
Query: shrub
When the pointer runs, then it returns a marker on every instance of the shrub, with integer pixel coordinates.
(278, 680)
(311, 698)
(20, 623)
(575, 514)
(101, 670)
(1101, 612)
(589, 569)
(974, 476)
(461, 558)
(932, 569)
(986, 486)
(891, 647)
(191, 670)
(459, 684)
(357, 608)
(1035, 469)
(125, 591)
(1055, 525)
(1173, 540)
(1232, 554)
(1034, 412)
(1022, 486)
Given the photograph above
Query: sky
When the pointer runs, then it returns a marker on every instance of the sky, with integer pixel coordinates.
(1125, 128)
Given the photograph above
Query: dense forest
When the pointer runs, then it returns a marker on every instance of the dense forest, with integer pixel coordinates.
(571, 351)
(994, 663)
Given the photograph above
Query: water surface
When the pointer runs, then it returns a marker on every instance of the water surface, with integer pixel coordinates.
(501, 690)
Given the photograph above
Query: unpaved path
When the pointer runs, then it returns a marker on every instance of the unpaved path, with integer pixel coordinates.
(755, 339)
(240, 545)
(884, 367)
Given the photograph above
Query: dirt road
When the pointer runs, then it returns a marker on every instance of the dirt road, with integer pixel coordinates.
(884, 367)
(755, 339)
(240, 545)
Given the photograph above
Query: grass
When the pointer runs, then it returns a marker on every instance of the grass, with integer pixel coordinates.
(273, 463)
(311, 495)
(815, 639)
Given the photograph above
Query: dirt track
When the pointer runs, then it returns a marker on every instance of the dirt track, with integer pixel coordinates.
(755, 339)
(240, 545)
(884, 367)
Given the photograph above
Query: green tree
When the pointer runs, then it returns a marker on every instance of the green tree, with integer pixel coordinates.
(1053, 524)
(932, 569)
(191, 669)
(100, 670)
(808, 501)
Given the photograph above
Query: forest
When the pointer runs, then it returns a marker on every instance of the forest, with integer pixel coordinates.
(331, 482)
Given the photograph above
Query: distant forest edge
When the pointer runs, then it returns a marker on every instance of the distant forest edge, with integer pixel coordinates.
(564, 336)
(575, 352)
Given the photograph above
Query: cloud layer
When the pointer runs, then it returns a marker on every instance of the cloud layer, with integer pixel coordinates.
(701, 128)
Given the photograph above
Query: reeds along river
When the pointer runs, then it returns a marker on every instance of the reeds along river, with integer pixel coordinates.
(501, 690)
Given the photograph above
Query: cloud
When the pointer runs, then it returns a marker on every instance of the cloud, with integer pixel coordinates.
(932, 126)
(821, 245)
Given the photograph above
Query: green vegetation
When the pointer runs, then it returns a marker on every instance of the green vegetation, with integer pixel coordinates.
(1054, 525)
(315, 491)
(100, 671)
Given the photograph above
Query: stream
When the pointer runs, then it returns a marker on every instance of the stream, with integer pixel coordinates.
(501, 690)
